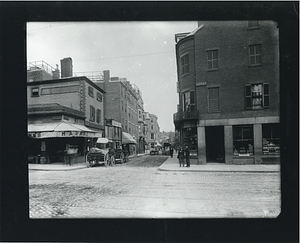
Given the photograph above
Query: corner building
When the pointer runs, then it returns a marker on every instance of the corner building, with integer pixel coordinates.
(228, 87)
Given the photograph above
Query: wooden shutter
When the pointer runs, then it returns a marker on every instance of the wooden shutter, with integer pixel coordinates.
(266, 95)
(248, 97)
(213, 100)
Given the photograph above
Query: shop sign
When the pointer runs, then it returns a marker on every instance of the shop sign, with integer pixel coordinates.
(116, 124)
(73, 133)
(34, 134)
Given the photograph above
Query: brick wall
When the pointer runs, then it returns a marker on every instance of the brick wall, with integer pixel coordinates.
(232, 40)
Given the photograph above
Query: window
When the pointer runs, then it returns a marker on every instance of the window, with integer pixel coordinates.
(213, 100)
(212, 60)
(152, 135)
(257, 96)
(253, 24)
(34, 92)
(99, 96)
(91, 91)
(271, 138)
(188, 101)
(243, 140)
(185, 67)
(92, 113)
(98, 116)
(255, 54)
(151, 127)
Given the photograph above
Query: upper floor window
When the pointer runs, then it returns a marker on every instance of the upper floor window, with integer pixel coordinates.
(212, 60)
(91, 91)
(257, 96)
(99, 96)
(253, 23)
(213, 99)
(98, 116)
(35, 92)
(255, 54)
(92, 113)
(188, 99)
(185, 65)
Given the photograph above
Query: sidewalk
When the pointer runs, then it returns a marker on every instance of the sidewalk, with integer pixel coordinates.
(171, 164)
(60, 166)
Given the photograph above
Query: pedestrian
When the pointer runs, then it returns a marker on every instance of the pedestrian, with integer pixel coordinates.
(171, 152)
(187, 156)
(180, 157)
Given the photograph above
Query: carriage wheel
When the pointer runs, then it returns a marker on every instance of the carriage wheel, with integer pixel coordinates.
(122, 158)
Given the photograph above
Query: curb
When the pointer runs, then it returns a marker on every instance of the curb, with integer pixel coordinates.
(225, 171)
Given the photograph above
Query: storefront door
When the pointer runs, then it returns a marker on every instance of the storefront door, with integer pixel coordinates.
(215, 151)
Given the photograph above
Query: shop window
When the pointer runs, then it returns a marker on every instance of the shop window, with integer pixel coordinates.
(271, 138)
(185, 65)
(92, 113)
(91, 91)
(255, 55)
(243, 140)
(257, 96)
(35, 92)
(213, 100)
(190, 139)
(99, 96)
(212, 60)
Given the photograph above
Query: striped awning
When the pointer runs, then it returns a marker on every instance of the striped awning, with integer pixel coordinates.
(127, 138)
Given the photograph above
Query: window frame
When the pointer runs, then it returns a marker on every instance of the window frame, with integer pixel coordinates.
(210, 99)
(91, 91)
(265, 96)
(99, 97)
(188, 101)
(255, 55)
(250, 150)
(92, 113)
(185, 64)
(211, 60)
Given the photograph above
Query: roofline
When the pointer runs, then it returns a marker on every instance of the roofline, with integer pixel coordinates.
(68, 79)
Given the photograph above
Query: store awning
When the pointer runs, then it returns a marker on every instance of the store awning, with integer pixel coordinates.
(127, 138)
(60, 129)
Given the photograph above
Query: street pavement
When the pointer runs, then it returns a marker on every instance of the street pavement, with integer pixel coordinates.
(171, 164)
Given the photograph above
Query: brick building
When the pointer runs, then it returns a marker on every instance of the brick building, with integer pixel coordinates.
(121, 105)
(228, 87)
(71, 106)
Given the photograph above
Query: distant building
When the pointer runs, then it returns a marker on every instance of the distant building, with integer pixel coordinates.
(121, 101)
(153, 131)
(228, 88)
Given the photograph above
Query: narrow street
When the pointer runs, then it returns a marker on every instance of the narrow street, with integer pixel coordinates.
(138, 189)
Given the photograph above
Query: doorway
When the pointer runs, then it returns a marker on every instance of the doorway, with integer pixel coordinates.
(215, 150)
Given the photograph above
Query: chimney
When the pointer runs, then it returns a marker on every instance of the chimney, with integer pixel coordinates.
(66, 67)
(106, 75)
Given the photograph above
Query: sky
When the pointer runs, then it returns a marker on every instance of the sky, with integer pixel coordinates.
(142, 52)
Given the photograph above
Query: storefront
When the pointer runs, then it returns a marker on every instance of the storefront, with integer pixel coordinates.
(129, 143)
(239, 142)
(59, 142)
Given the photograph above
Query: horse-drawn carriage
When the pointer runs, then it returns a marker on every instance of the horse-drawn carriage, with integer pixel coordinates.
(101, 154)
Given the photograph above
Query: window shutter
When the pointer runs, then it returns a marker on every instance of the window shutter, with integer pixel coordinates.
(266, 95)
(248, 97)
(192, 97)
(213, 100)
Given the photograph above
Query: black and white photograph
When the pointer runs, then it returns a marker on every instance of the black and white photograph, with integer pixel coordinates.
(136, 120)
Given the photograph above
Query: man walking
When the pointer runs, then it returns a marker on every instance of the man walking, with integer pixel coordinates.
(187, 156)
(171, 152)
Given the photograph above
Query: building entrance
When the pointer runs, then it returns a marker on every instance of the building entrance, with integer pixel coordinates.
(214, 138)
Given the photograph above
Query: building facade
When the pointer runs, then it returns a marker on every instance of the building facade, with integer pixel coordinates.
(228, 87)
(74, 105)
(153, 130)
(121, 102)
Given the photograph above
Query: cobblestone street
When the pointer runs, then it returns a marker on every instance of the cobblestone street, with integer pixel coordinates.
(129, 190)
